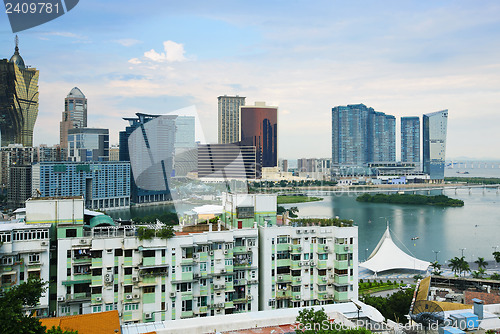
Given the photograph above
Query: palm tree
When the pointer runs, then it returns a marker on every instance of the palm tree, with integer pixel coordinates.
(481, 263)
(455, 265)
(497, 256)
(436, 268)
(464, 265)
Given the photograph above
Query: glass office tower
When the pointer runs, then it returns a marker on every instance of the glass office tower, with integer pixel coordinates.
(410, 139)
(74, 115)
(434, 144)
(18, 100)
(259, 128)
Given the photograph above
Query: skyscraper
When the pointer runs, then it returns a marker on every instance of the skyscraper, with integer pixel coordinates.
(88, 144)
(361, 135)
(229, 118)
(410, 139)
(434, 143)
(259, 128)
(18, 100)
(74, 115)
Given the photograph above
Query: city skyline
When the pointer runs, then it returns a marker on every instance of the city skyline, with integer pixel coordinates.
(425, 57)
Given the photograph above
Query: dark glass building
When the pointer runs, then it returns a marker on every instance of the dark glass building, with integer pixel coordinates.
(228, 161)
(18, 100)
(410, 139)
(259, 128)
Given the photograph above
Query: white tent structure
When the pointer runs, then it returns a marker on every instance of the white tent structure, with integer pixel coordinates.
(388, 256)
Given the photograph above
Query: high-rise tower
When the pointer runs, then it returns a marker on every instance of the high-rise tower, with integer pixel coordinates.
(362, 135)
(74, 115)
(410, 139)
(434, 145)
(18, 100)
(259, 128)
(229, 118)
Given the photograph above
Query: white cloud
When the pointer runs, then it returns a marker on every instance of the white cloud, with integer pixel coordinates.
(173, 52)
(135, 61)
(127, 42)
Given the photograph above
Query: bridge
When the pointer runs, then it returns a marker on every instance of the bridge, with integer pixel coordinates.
(396, 189)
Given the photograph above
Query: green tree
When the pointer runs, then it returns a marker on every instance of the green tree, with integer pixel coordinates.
(455, 265)
(394, 307)
(310, 321)
(12, 303)
(436, 268)
(497, 256)
(481, 263)
(464, 265)
(58, 330)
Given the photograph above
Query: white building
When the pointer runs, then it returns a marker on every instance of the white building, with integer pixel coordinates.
(24, 254)
(306, 266)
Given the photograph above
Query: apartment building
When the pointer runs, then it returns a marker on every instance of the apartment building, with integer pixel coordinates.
(306, 266)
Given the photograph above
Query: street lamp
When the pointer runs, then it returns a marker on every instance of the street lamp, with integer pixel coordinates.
(436, 252)
(462, 249)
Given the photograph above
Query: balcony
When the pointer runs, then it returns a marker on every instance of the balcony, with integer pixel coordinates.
(342, 265)
(280, 278)
(82, 260)
(240, 250)
(78, 296)
(283, 294)
(322, 264)
(283, 247)
(341, 279)
(284, 263)
(296, 249)
(343, 249)
(341, 296)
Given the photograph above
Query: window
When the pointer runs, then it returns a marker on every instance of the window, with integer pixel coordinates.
(284, 239)
(203, 266)
(109, 307)
(187, 305)
(97, 309)
(65, 309)
(127, 289)
(187, 269)
(119, 252)
(71, 233)
(183, 287)
(149, 289)
(128, 253)
(131, 307)
(229, 262)
(148, 253)
(127, 271)
(323, 256)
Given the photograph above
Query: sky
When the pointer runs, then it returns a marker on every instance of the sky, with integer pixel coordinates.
(404, 58)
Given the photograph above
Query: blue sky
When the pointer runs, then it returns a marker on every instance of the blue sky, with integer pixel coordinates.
(400, 57)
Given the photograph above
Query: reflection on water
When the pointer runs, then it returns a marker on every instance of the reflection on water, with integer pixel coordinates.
(476, 226)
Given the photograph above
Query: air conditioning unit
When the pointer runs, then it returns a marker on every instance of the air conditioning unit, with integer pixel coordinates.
(249, 249)
(326, 248)
(346, 248)
(108, 278)
(172, 294)
(299, 279)
(299, 248)
(249, 297)
(221, 305)
(44, 243)
(60, 299)
(196, 275)
(98, 299)
(299, 231)
(128, 297)
(223, 271)
(311, 263)
(280, 277)
(109, 251)
(225, 252)
(306, 231)
(313, 231)
(137, 296)
(332, 276)
(83, 241)
(324, 279)
(196, 256)
(135, 279)
(216, 286)
(297, 297)
(211, 253)
(148, 316)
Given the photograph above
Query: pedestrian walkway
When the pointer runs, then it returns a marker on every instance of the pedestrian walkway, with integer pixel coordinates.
(405, 274)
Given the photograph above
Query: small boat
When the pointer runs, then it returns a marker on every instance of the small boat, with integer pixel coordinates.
(458, 172)
(415, 238)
